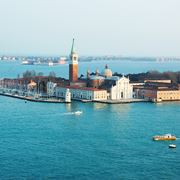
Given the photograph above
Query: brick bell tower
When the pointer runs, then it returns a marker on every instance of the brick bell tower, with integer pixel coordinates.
(73, 65)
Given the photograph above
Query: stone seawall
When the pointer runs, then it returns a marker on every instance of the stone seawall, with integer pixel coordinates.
(30, 98)
(123, 101)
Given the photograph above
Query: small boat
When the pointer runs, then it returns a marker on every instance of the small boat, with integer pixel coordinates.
(172, 146)
(50, 63)
(26, 62)
(78, 112)
(164, 137)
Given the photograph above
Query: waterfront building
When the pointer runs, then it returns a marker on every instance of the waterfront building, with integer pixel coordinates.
(84, 93)
(158, 90)
(122, 89)
(73, 65)
(158, 95)
(31, 88)
(51, 86)
(31, 85)
(169, 94)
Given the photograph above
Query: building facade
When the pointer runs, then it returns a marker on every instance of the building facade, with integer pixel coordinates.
(51, 89)
(91, 94)
(158, 95)
(122, 89)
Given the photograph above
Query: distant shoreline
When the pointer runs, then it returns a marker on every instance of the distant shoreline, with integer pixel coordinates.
(46, 59)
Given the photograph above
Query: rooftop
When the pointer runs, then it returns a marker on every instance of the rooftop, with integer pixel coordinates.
(82, 88)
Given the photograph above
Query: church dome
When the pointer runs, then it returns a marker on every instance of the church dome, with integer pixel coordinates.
(107, 72)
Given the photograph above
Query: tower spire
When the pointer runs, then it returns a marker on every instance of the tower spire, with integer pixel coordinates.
(72, 48)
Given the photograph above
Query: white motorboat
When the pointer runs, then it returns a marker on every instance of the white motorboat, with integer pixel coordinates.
(78, 112)
(172, 146)
(26, 62)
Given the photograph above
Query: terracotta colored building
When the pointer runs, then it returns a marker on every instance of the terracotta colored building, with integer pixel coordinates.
(158, 95)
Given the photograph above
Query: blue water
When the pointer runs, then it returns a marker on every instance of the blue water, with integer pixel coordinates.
(47, 141)
(12, 69)
(105, 142)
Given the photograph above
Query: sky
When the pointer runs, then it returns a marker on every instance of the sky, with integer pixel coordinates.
(100, 27)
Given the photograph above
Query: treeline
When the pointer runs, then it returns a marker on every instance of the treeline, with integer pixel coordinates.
(154, 75)
(30, 74)
(139, 77)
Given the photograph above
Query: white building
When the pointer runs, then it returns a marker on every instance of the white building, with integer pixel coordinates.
(122, 89)
(68, 96)
(51, 89)
(86, 93)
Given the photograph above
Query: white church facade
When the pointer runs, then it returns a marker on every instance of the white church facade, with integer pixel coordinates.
(122, 89)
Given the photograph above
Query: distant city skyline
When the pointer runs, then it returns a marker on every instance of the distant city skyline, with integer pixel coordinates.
(100, 27)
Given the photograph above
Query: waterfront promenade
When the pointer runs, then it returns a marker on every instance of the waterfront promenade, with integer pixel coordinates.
(31, 98)
(123, 101)
(55, 100)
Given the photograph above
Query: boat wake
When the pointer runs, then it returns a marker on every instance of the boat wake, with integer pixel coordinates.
(73, 113)
(69, 113)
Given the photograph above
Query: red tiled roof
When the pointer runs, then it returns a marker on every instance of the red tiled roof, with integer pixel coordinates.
(164, 89)
(168, 90)
(82, 88)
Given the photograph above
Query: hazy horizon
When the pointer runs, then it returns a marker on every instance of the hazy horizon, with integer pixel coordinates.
(106, 27)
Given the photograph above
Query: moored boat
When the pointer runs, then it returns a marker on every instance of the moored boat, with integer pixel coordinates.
(26, 62)
(164, 137)
(50, 63)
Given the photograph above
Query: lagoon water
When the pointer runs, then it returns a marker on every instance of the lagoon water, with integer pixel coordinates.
(47, 141)
(12, 69)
